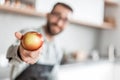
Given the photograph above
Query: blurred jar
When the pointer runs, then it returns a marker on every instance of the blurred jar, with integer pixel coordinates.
(111, 52)
(79, 56)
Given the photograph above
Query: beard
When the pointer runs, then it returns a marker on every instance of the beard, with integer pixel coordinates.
(49, 25)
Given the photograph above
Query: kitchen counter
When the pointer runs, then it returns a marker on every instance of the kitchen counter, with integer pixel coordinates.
(91, 62)
(90, 70)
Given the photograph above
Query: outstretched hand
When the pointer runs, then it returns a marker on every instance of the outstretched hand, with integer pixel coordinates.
(29, 57)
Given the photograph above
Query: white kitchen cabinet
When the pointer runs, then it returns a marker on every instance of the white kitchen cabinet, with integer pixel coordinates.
(90, 11)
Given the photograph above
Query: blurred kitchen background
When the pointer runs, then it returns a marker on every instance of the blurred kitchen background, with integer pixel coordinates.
(93, 32)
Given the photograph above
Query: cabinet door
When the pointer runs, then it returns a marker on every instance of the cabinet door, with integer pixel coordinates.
(91, 11)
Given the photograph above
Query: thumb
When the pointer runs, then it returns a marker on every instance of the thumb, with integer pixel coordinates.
(18, 35)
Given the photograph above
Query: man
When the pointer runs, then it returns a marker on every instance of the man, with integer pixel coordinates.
(50, 54)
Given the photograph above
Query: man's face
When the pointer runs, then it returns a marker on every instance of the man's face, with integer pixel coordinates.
(58, 19)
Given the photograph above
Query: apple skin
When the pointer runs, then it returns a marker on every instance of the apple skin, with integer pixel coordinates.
(32, 41)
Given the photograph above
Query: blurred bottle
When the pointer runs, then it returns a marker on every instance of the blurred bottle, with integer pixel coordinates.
(111, 52)
(16, 4)
(95, 55)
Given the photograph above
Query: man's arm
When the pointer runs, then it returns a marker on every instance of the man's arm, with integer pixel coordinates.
(13, 55)
(17, 54)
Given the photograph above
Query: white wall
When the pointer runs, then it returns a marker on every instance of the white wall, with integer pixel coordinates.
(108, 37)
(80, 38)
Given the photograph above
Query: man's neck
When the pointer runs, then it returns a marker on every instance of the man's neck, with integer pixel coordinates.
(48, 36)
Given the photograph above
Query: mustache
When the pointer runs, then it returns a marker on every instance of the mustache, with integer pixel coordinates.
(54, 24)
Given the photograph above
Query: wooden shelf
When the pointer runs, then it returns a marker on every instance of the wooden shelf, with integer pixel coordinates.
(111, 3)
(106, 24)
(21, 11)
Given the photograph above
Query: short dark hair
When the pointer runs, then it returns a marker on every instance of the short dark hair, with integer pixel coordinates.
(63, 4)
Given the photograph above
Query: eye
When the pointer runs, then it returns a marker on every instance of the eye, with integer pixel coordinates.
(65, 20)
(58, 16)
(54, 14)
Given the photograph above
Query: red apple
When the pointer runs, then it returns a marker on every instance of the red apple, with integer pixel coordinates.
(32, 41)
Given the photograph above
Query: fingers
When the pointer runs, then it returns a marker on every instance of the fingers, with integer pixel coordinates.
(35, 54)
(31, 60)
(30, 57)
(18, 35)
(40, 49)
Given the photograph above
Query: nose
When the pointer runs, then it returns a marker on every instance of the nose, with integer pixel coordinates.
(60, 22)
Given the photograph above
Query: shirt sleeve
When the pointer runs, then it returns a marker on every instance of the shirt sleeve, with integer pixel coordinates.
(12, 55)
